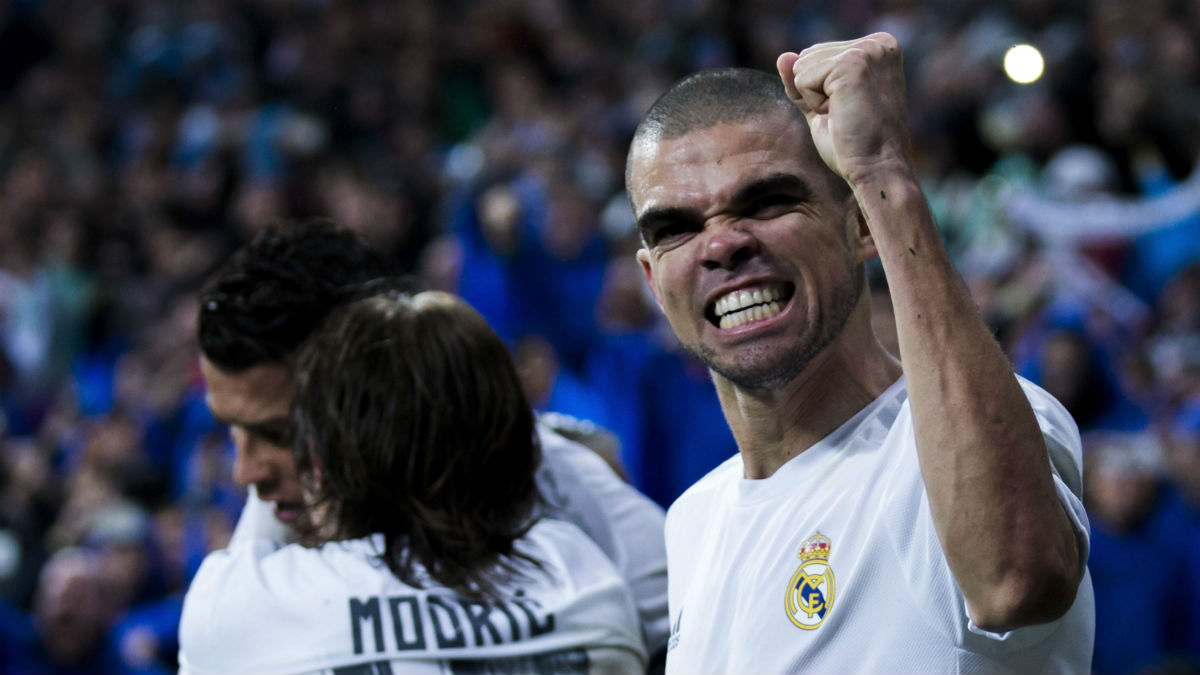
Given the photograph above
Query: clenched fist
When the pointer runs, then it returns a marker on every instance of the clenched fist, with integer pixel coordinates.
(853, 95)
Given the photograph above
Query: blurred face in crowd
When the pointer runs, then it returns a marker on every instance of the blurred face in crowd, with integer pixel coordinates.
(1120, 499)
(1066, 372)
(256, 404)
(71, 610)
(749, 250)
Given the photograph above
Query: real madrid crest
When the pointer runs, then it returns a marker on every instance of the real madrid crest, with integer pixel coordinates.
(810, 591)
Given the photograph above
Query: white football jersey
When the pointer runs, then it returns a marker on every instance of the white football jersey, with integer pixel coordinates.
(627, 525)
(832, 564)
(580, 488)
(259, 607)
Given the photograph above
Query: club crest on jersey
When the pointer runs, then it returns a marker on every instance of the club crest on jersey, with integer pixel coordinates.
(810, 591)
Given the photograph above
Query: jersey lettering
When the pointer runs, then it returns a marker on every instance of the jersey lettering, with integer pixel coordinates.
(528, 605)
(479, 614)
(444, 641)
(512, 619)
(421, 622)
(407, 621)
(360, 611)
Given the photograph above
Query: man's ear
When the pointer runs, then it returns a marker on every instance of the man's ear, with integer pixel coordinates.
(643, 258)
(857, 232)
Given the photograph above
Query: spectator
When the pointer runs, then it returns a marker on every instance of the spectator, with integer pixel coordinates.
(141, 142)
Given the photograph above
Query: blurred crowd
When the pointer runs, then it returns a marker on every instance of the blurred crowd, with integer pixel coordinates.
(482, 145)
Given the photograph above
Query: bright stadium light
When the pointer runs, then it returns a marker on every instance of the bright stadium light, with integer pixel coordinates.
(1023, 64)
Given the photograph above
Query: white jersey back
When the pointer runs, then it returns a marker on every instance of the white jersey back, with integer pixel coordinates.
(580, 488)
(258, 607)
(832, 564)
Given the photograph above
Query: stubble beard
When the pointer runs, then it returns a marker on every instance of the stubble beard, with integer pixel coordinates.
(754, 369)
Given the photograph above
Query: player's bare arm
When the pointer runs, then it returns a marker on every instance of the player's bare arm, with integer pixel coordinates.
(1007, 538)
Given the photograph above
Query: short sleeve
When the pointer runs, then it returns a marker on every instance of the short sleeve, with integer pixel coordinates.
(1065, 449)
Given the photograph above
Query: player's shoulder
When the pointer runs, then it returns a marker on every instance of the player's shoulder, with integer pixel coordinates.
(275, 588)
(232, 570)
(553, 534)
(580, 586)
(560, 453)
(227, 589)
(266, 566)
(238, 579)
(569, 566)
(579, 486)
(568, 552)
(1048, 409)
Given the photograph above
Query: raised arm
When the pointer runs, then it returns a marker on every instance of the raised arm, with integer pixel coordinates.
(1006, 535)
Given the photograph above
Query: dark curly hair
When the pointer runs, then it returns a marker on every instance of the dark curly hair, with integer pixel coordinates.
(410, 421)
(275, 291)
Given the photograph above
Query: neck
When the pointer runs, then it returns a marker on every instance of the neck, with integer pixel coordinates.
(771, 426)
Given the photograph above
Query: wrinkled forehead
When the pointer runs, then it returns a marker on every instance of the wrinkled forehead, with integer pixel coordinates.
(706, 166)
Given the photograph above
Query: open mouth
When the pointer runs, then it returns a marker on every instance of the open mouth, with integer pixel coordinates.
(288, 512)
(750, 304)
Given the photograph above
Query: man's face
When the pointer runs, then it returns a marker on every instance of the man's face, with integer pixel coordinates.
(256, 404)
(750, 254)
(72, 613)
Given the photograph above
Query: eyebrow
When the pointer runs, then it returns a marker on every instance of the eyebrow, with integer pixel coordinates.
(655, 217)
(747, 193)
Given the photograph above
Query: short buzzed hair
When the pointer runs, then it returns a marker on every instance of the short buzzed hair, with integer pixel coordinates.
(716, 96)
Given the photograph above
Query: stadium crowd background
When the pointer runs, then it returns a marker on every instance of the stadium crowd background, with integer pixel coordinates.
(482, 144)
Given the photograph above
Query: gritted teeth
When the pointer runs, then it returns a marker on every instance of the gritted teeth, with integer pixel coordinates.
(750, 304)
(747, 297)
(755, 313)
